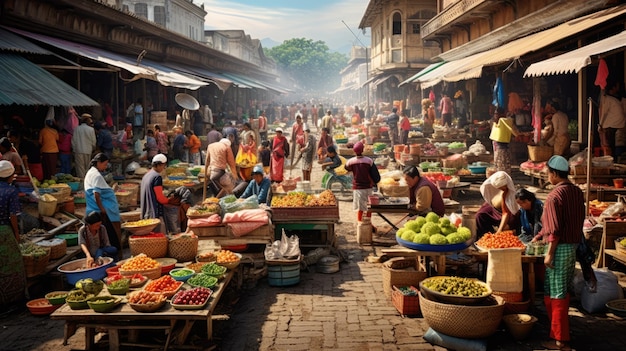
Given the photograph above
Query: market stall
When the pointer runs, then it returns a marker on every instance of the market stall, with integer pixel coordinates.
(176, 323)
(311, 217)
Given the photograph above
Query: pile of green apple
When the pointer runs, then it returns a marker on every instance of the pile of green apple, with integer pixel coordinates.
(433, 230)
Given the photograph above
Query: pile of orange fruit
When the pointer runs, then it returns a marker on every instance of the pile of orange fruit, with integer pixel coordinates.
(502, 240)
(139, 263)
(226, 256)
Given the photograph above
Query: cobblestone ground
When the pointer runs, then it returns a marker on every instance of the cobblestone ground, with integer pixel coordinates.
(346, 310)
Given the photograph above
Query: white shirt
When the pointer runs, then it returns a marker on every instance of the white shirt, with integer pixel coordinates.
(612, 113)
(84, 139)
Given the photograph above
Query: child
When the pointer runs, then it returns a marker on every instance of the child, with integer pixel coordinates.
(332, 160)
(94, 240)
(265, 155)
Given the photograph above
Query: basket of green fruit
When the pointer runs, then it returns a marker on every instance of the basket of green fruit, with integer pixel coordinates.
(202, 280)
(103, 304)
(118, 286)
(77, 299)
(455, 290)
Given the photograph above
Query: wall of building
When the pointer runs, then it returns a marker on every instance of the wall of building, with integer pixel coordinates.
(179, 16)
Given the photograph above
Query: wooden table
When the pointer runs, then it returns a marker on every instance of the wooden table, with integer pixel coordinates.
(125, 318)
(529, 261)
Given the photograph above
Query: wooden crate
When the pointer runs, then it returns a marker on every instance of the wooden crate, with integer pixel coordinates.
(294, 214)
(213, 231)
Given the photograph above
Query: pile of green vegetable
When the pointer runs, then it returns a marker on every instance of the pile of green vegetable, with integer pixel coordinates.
(433, 230)
(30, 249)
(456, 286)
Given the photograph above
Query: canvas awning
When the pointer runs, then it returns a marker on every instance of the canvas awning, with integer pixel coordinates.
(24, 83)
(471, 66)
(166, 77)
(426, 69)
(575, 60)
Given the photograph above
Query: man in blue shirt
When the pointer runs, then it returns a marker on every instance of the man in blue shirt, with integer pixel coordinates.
(259, 186)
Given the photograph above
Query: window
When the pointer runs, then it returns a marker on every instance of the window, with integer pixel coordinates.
(159, 15)
(397, 24)
(141, 10)
(416, 28)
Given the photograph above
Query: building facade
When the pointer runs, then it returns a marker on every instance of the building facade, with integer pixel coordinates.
(239, 44)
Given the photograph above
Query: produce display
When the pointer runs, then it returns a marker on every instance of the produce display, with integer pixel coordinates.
(140, 262)
(119, 284)
(623, 242)
(90, 286)
(211, 200)
(429, 149)
(456, 286)
(432, 230)
(141, 223)
(204, 210)
(302, 199)
(202, 280)
(166, 284)
(226, 256)
(78, 295)
(196, 266)
(408, 291)
(30, 249)
(456, 145)
(135, 279)
(146, 298)
(196, 296)
(206, 257)
(181, 273)
(502, 240)
(213, 269)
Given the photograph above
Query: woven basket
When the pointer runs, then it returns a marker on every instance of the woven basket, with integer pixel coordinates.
(34, 266)
(152, 273)
(47, 208)
(468, 322)
(154, 247)
(539, 153)
(394, 190)
(58, 247)
(619, 247)
(183, 248)
(401, 272)
(125, 198)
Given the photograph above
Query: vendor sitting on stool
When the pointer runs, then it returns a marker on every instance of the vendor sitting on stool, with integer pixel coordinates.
(331, 161)
(500, 211)
(424, 196)
(259, 186)
(94, 240)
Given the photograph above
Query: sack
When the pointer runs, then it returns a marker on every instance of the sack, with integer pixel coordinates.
(607, 289)
(504, 270)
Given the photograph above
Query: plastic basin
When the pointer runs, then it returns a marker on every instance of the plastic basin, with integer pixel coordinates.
(74, 273)
(70, 238)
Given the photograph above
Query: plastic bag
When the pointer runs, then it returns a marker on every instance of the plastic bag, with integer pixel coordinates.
(250, 203)
(607, 289)
(285, 248)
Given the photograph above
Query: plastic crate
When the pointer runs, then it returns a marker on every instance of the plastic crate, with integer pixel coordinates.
(406, 304)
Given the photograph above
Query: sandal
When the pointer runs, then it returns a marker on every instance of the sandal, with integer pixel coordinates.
(556, 345)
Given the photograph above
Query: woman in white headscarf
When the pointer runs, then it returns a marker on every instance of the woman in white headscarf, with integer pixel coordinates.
(500, 210)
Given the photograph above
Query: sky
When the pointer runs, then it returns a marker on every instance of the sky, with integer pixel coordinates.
(281, 20)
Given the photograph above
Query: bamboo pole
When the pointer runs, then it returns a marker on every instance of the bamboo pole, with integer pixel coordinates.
(589, 152)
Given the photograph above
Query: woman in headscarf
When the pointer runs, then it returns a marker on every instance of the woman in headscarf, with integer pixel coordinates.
(101, 198)
(500, 210)
(12, 274)
(151, 195)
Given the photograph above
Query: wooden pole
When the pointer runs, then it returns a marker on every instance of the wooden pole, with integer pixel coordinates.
(589, 152)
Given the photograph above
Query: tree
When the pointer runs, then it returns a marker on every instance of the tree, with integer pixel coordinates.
(309, 63)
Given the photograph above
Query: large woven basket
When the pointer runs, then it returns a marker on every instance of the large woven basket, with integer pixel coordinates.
(34, 266)
(539, 153)
(183, 248)
(401, 272)
(152, 273)
(154, 247)
(58, 247)
(468, 322)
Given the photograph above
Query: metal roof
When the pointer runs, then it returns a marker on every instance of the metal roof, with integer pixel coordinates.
(24, 83)
(15, 43)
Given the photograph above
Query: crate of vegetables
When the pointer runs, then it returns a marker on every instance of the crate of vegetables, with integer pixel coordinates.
(406, 300)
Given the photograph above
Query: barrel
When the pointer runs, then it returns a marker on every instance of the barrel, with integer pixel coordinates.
(469, 217)
(283, 275)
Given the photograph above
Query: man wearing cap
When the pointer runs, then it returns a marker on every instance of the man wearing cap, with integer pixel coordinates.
(259, 186)
(219, 156)
(364, 176)
(280, 150)
(152, 197)
(563, 216)
(83, 145)
(500, 210)
(308, 152)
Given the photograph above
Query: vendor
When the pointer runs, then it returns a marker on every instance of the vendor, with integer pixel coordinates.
(331, 161)
(424, 196)
(259, 186)
(94, 240)
(151, 196)
(531, 210)
(500, 210)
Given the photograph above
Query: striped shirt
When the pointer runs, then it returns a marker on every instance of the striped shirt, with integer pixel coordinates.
(563, 214)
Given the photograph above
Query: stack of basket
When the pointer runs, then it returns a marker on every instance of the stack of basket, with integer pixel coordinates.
(134, 192)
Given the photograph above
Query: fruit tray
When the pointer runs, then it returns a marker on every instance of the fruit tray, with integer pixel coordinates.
(434, 248)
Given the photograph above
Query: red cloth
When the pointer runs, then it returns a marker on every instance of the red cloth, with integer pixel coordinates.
(603, 73)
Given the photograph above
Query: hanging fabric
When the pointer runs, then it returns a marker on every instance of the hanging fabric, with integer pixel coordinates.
(603, 73)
